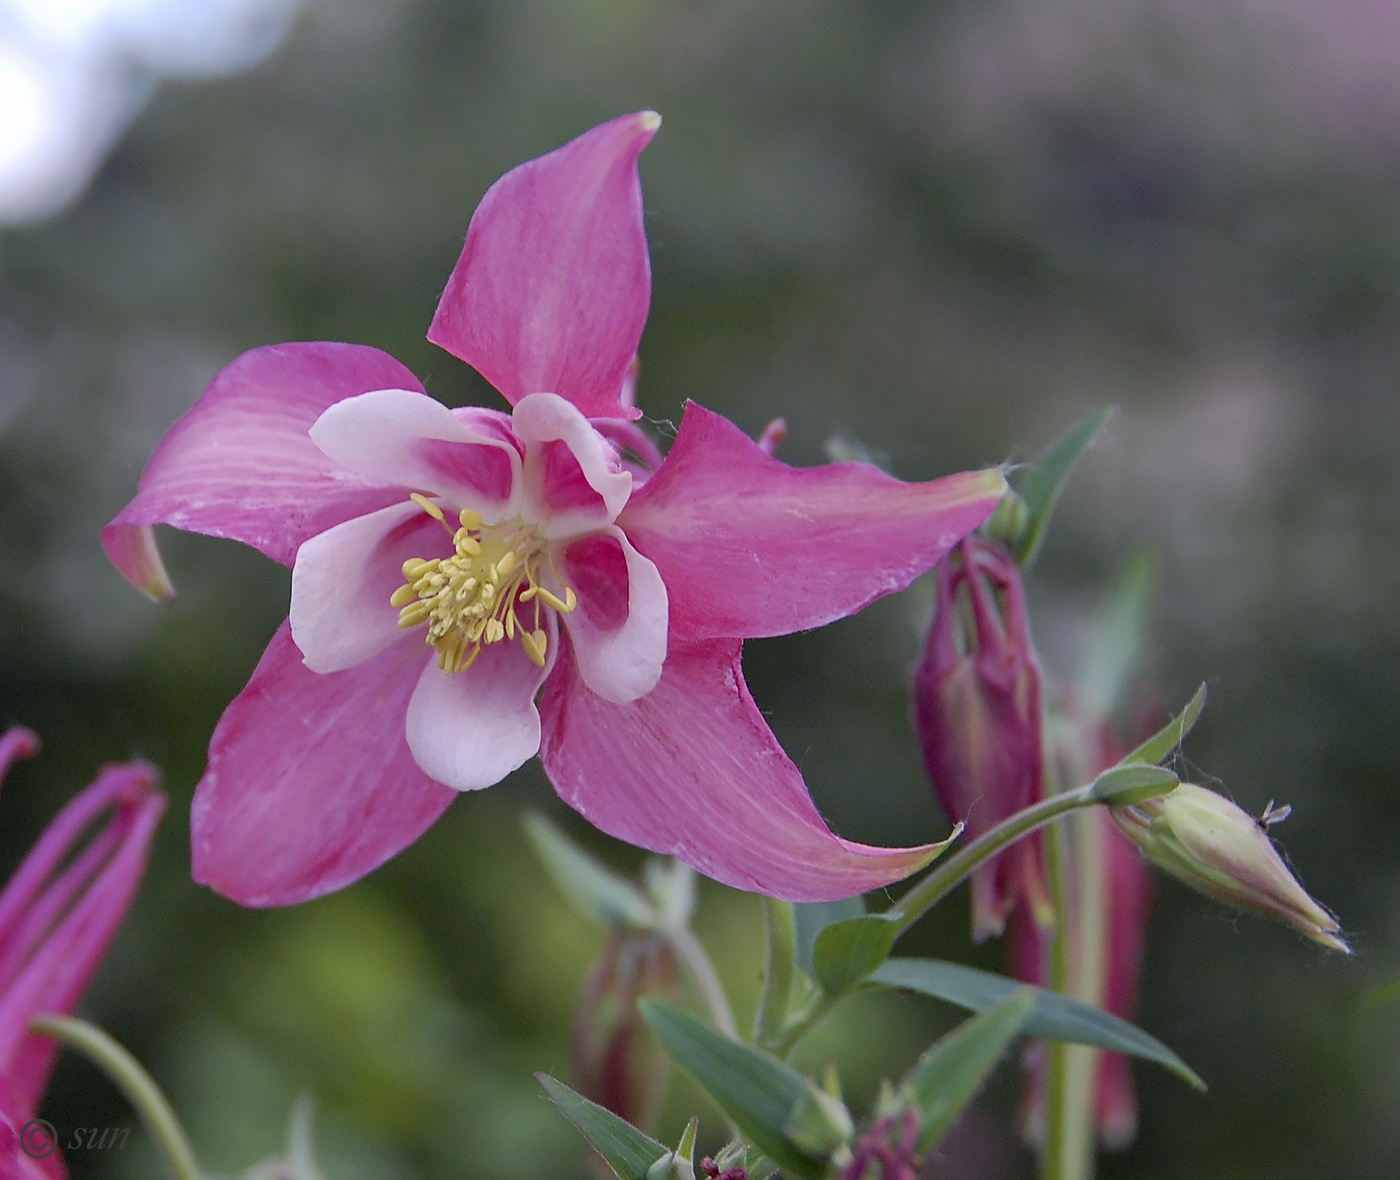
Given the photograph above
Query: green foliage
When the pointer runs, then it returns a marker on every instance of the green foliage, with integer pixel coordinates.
(754, 1090)
(1046, 479)
(1161, 744)
(593, 888)
(629, 1153)
(849, 950)
(947, 1077)
(1126, 784)
(811, 918)
(1053, 1016)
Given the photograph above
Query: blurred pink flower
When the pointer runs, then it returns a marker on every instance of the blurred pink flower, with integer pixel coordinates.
(977, 709)
(58, 914)
(535, 555)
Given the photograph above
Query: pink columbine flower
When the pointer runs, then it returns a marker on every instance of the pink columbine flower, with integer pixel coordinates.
(535, 558)
(57, 915)
(977, 709)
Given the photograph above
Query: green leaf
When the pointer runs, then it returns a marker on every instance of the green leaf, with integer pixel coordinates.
(1166, 739)
(946, 1078)
(1386, 993)
(811, 918)
(587, 883)
(1115, 640)
(1124, 786)
(629, 1153)
(1054, 1016)
(847, 951)
(756, 1091)
(1046, 477)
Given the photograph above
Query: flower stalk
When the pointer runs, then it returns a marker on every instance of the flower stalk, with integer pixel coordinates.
(136, 1085)
(950, 873)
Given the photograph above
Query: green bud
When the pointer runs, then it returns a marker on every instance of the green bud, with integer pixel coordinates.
(1008, 521)
(819, 1122)
(671, 1166)
(1218, 848)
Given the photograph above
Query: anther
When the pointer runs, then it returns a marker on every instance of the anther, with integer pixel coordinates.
(534, 644)
(426, 505)
(469, 519)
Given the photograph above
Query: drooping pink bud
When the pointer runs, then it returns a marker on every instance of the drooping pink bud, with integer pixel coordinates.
(977, 708)
(58, 914)
(615, 1061)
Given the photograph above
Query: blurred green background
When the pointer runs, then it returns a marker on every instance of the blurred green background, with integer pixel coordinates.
(943, 229)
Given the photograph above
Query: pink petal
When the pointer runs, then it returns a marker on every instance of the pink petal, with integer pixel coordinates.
(691, 769)
(639, 453)
(343, 579)
(310, 783)
(407, 439)
(470, 729)
(749, 546)
(618, 630)
(551, 292)
(240, 463)
(574, 480)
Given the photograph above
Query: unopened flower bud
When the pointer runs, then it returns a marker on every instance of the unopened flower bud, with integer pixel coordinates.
(977, 708)
(1216, 847)
(1008, 521)
(615, 1060)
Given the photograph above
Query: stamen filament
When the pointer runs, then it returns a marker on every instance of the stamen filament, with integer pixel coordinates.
(470, 598)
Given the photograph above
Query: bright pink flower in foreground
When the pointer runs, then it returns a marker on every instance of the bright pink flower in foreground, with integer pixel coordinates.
(534, 559)
(57, 915)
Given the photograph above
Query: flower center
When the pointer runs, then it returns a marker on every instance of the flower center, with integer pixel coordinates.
(471, 598)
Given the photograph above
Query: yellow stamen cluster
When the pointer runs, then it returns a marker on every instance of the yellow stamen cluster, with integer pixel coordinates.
(470, 599)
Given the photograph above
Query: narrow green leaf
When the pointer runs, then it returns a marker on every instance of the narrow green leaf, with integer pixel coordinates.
(629, 1153)
(1124, 786)
(946, 1078)
(811, 918)
(846, 952)
(1165, 740)
(756, 1091)
(1114, 646)
(593, 888)
(1054, 1016)
(1046, 477)
(1386, 993)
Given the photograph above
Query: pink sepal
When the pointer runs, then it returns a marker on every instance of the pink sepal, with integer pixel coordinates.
(749, 546)
(692, 770)
(310, 783)
(241, 464)
(551, 292)
(59, 912)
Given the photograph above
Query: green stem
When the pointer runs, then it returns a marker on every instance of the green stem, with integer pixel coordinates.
(785, 1040)
(131, 1078)
(947, 876)
(1076, 969)
(706, 978)
(778, 974)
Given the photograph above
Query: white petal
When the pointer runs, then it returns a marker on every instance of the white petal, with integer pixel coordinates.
(618, 629)
(342, 581)
(470, 729)
(574, 480)
(406, 438)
